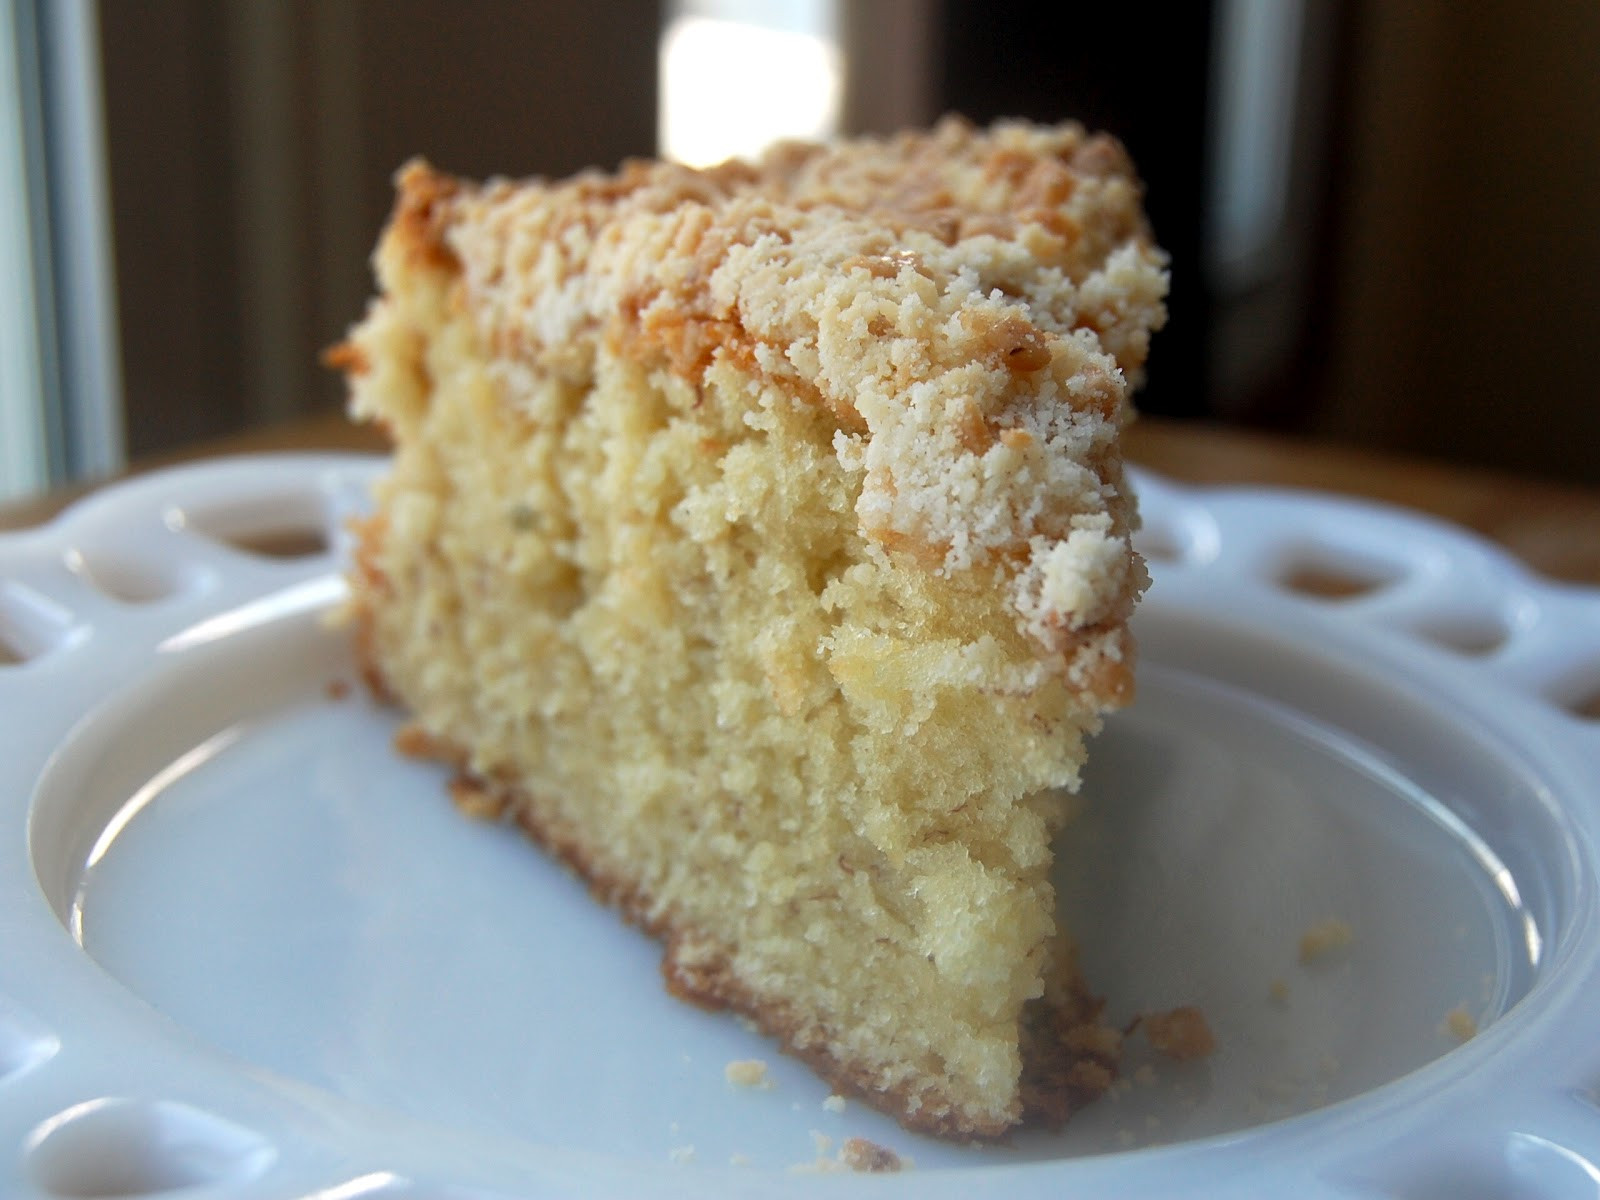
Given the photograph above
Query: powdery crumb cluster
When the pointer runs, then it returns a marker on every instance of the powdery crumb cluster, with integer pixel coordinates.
(1182, 1093)
(1295, 1091)
(1182, 1037)
(1319, 942)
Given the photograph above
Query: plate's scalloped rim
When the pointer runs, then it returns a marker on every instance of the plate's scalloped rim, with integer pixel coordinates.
(1218, 545)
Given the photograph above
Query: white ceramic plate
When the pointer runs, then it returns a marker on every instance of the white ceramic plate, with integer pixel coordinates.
(247, 950)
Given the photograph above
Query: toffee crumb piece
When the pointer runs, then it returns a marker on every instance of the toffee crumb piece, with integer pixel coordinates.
(475, 800)
(413, 741)
(337, 689)
(1181, 1034)
(347, 357)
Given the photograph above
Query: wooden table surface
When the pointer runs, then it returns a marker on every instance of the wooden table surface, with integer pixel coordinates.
(1554, 527)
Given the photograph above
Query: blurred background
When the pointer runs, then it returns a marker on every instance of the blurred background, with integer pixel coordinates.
(1384, 218)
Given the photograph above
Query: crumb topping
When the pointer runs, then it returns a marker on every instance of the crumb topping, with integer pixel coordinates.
(969, 305)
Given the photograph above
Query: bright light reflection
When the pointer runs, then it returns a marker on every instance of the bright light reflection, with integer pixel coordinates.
(730, 88)
(158, 783)
(322, 592)
(364, 1185)
(1531, 1149)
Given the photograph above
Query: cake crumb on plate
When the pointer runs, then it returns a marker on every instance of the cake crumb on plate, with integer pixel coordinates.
(859, 1154)
(1458, 1023)
(855, 1154)
(1324, 938)
(1181, 1033)
(747, 1073)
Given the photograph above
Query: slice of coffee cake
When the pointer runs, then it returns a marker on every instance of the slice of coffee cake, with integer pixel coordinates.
(758, 539)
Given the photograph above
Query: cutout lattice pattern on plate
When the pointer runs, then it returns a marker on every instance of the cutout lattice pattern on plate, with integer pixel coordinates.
(1337, 696)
